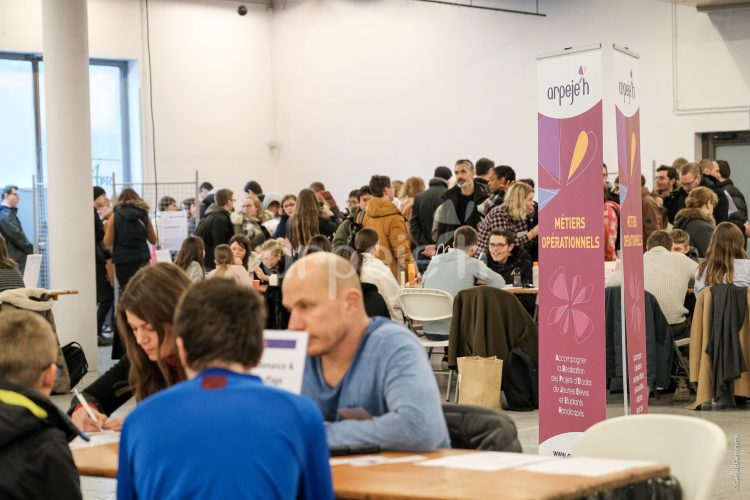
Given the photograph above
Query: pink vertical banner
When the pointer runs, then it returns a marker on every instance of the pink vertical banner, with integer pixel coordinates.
(572, 387)
(627, 117)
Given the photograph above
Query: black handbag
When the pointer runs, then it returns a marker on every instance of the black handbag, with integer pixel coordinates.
(75, 359)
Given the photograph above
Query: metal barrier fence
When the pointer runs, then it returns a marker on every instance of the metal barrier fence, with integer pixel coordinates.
(155, 194)
(41, 234)
(151, 193)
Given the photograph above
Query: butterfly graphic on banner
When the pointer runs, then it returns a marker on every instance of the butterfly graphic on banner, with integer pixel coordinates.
(559, 171)
(569, 317)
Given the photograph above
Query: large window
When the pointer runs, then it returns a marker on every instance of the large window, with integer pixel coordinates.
(18, 133)
(22, 130)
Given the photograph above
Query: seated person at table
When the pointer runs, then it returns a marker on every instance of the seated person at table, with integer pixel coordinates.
(681, 244)
(667, 276)
(35, 461)
(222, 433)
(454, 271)
(370, 269)
(226, 267)
(509, 260)
(151, 363)
(274, 255)
(370, 377)
(726, 260)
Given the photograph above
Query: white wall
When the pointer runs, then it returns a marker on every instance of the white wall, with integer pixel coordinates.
(349, 88)
(211, 77)
(398, 86)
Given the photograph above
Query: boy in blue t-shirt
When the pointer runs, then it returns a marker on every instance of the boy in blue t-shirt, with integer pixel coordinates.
(222, 433)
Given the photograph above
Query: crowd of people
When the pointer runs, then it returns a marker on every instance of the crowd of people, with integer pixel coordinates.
(299, 262)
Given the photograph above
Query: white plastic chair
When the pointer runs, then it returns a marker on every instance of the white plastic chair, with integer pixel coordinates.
(428, 304)
(692, 447)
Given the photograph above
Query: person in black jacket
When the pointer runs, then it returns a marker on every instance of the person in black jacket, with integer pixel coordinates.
(737, 213)
(423, 216)
(144, 316)
(216, 228)
(10, 227)
(35, 461)
(691, 178)
(129, 230)
(460, 206)
(105, 294)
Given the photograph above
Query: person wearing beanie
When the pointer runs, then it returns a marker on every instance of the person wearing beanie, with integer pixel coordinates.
(105, 294)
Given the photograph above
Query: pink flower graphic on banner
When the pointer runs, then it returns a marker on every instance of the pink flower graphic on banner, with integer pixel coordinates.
(581, 70)
(569, 315)
(635, 300)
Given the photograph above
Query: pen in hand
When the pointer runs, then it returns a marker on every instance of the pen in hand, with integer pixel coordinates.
(87, 408)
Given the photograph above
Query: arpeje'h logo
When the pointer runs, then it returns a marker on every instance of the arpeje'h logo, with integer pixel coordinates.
(627, 89)
(569, 90)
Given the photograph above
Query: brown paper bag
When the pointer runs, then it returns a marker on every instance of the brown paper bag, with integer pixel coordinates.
(479, 381)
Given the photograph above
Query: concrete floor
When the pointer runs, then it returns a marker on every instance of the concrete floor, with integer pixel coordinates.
(734, 422)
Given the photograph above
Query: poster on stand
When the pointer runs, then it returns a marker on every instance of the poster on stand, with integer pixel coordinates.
(572, 387)
(627, 120)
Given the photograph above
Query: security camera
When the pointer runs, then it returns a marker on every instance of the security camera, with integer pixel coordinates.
(242, 10)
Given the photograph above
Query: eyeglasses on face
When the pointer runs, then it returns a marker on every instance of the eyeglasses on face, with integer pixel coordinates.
(498, 245)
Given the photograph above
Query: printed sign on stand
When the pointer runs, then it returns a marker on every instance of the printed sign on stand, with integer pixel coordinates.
(283, 362)
(572, 388)
(627, 116)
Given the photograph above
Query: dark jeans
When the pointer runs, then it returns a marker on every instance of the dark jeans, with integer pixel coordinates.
(105, 296)
(124, 272)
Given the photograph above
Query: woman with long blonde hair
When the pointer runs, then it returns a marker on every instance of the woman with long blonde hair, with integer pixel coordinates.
(726, 260)
(512, 216)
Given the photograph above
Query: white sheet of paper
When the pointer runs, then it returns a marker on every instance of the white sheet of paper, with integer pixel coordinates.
(369, 460)
(172, 229)
(283, 362)
(163, 256)
(583, 466)
(32, 270)
(485, 461)
(97, 438)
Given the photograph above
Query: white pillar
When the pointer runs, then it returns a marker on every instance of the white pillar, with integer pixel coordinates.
(70, 200)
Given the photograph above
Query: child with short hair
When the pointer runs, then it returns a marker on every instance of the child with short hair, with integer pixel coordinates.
(34, 456)
(681, 244)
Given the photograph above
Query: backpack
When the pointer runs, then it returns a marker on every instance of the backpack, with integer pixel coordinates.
(76, 361)
(520, 381)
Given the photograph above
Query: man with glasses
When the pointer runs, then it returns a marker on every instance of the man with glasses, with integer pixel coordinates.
(10, 227)
(691, 178)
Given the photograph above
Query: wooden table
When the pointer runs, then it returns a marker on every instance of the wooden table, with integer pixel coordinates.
(521, 291)
(407, 480)
(56, 293)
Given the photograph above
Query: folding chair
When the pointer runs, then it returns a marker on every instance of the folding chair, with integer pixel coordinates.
(692, 447)
(428, 304)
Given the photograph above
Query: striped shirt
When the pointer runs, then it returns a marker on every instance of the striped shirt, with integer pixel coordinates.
(10, 278)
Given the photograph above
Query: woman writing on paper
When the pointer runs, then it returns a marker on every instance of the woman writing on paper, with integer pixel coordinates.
(150, 363)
